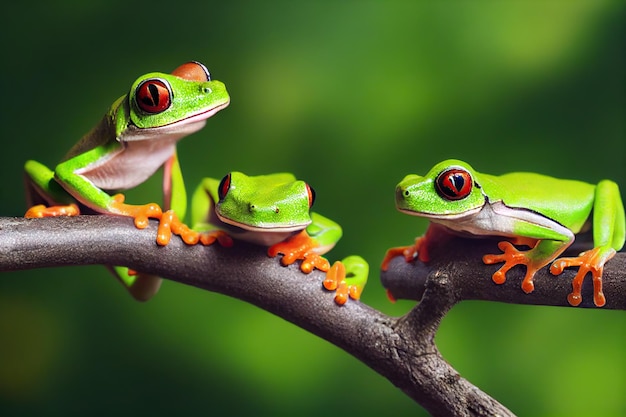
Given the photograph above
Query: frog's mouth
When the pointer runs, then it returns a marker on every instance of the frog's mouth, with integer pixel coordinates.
(264, 234)
(264, 227)
(440, 216)
(199, 117)
(173, 131)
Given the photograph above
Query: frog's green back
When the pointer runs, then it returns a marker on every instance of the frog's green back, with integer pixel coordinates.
(568, 202)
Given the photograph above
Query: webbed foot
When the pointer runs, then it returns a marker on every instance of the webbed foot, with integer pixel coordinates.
(300, 246)
(511, 256)
(169, 223)
(141, 214)
(208, 238)
(347, 278)
(410, 253)
(40, 210)
(592, 261)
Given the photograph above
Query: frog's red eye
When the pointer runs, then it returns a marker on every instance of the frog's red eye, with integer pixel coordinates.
(454, 184)
(311, 194)
(153, 96)
(223, 188)
(193, 71)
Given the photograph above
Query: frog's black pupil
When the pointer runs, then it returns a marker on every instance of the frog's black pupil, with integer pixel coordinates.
(154, 95)
(457, 181)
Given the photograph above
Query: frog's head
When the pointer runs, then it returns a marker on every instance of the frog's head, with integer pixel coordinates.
(450, 190)
(276, 202)
(175, 104)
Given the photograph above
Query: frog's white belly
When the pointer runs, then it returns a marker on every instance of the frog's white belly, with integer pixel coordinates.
(496, 219)
(132, 165)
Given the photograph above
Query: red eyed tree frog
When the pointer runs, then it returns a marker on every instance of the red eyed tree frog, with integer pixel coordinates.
(528, 209)
(134, 138)
(274, 210)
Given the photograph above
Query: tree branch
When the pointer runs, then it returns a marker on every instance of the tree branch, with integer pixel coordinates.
(401, 349)
(461, 260)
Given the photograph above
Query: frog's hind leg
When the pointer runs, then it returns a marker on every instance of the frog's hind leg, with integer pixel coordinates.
(608, 238)
(348, 278)
(140, 285)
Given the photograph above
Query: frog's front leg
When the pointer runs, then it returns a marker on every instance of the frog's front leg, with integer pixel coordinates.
(419, 249)
(96, 199)
(609, 233)
(541, 254)
(169, 223)
(300, 246)
(41, 187)
(140, 213)
(409, 252)
(348, 278)
(308, 245)
(74, 187)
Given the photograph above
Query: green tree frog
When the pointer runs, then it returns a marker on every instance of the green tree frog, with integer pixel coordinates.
(532, 210)
(274, 211)
(134, 138)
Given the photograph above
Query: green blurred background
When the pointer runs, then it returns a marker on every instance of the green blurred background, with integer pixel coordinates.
(350, 96)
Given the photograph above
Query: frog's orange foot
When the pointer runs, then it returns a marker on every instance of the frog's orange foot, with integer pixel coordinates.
(410, 253)
(170, 224)
(208, 238)
(336, 281)
(141, 214)
(53, 211)
(145, 212)
(589, 261)
(511, 256)
(310, 259)
(299, 246)
(119, 198)
(310, 262)
(164, 233)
